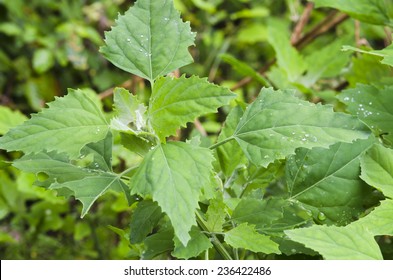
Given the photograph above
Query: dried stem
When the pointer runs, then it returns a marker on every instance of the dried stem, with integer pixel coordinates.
(297, 32)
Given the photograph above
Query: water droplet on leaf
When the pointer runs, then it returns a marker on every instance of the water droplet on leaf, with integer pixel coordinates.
(321, 216)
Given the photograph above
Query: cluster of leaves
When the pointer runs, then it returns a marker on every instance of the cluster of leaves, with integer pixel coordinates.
(285, 178)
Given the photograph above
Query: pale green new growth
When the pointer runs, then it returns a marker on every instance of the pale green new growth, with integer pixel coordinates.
(131, 115)
(149, 40)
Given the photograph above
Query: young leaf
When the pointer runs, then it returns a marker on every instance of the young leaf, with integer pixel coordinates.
(144, 219)
(9, 119)
(149, 40)
(386, 54)
(326, 181)
(198, 243)
(380, 220)
(369, 104)
(244, 69)
(174, 102)
(245, 236)
(66, 126)
(173, 174)
(288, 57)
(130, 112)
(353, 242)
(215, 215)
(277, 123)
(377, 169)
(371, 11)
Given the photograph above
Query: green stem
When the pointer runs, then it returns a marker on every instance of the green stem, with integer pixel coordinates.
(216, 242)
(221, 143)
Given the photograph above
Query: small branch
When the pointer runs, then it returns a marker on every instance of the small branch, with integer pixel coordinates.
(200, 128)
(388, 39)
(212, 147)
(331, 21)
(302, 22)
(109, 91)
(216, 242)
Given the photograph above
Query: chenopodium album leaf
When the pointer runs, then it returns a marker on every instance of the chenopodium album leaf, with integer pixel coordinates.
(327, 183)
(131, 114)
(174, 174)
(277, 123)
(86, 182)
(176, 101)
(66, 126)
(353, 242)
(149, 40)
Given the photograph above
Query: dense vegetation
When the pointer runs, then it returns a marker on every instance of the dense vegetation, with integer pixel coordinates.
(283, 151)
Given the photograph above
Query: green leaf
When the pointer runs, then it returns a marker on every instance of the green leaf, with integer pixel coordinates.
(150, 40)
(326, 181)
(288, 58)
(144, 219)
(369, 104)
(261, 213)
(380, 220)
(87, 183)
(131, 114)
(198, 243)
(367, 69)
(338, 243)
(277, 123)
(174, 174)
(245, 236)
(230, 155)
(386, 53)
(43, 60)
(244, 69)
(139, 145)
(66, 126)
(9, 119)
(215, 215)
(176, 101)
(372, 11)
(377, 169)
(158, 243)
(321, 63)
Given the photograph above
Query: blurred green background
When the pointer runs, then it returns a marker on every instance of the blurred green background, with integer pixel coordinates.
(48, 46)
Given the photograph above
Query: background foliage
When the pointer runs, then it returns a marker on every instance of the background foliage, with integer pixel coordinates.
(48, 46)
